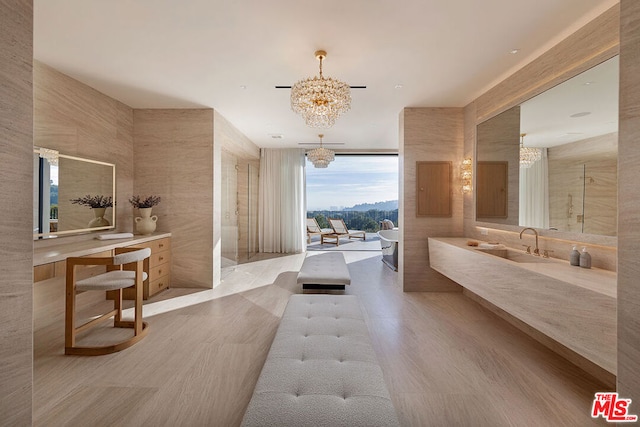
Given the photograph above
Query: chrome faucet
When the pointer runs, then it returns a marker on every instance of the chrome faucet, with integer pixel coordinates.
(536, 251)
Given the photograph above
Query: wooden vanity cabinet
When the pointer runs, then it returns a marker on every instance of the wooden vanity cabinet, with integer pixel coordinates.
(158, 267)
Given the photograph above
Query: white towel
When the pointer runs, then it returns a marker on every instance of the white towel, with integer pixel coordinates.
(114, 236)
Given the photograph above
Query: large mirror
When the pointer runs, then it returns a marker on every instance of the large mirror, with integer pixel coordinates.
(551, 162)
(71, 194)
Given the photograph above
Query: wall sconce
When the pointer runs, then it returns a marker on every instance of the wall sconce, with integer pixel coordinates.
(466, 175)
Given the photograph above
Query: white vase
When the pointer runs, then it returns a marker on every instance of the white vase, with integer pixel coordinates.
(99, 220)
(146, 224)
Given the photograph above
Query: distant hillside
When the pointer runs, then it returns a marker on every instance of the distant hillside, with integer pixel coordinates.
(389, 205)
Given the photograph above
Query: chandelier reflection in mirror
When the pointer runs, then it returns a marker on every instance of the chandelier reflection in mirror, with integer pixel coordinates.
(528, 155)
(319, 100)
(321, 157)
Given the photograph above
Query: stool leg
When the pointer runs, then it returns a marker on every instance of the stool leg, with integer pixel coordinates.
(70, 307)
(117, 305)
(137, 328)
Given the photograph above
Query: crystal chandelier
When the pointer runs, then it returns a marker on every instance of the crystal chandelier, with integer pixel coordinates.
(321, 157)
(320, 100)
(528, 155)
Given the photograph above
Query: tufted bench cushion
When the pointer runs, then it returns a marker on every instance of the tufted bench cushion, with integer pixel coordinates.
(321, 369)
(328, 270)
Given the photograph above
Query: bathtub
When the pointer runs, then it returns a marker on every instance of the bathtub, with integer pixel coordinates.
(389, 243)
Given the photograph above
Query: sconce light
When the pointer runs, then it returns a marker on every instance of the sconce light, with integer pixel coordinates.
(465, 175)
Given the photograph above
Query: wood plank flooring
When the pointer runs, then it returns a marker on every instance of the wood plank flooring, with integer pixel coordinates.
(447, 361)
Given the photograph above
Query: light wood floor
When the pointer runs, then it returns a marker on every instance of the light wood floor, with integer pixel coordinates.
(446, 360)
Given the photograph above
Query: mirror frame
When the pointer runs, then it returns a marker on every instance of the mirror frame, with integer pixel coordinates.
(39, 236)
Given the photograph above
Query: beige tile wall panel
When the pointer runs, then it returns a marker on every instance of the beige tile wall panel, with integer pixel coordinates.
(427, 134)
(504, 134)
(173, 153)
(592, 44)
(77, 120)
(16, 245)
(232, 140)
(628, 206)
(589, 46)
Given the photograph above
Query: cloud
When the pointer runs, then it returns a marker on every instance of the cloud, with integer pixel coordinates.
(351, 180)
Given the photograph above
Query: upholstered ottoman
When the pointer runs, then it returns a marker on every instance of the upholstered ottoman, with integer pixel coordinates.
(321, 370)
(324, 271)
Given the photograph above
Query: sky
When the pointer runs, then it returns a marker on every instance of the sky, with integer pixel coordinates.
(351, 180)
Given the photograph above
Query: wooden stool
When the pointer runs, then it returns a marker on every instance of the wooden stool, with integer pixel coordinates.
(125, 270)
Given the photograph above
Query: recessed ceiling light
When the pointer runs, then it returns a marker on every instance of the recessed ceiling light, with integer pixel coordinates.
(276, 135)
(514, 51)
(581, 114)
(588, 83)
(243, 87)
(398, 86)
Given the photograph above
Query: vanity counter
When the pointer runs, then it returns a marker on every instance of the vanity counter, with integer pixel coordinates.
(573, 306)
(594, 279)
(61, 249)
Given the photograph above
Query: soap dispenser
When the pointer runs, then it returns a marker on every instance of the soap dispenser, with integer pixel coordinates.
(574, 256)
(585, 258)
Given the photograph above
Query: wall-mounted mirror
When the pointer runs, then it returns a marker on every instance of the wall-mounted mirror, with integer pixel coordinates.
(58, 180)
(572, 184)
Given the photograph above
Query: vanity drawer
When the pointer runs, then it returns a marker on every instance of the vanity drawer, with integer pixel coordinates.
(158, 271)
(158, 285)
(159, 258)
(158, 267)
(159, 245)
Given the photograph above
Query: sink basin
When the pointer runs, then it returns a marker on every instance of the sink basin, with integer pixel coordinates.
(513, 255)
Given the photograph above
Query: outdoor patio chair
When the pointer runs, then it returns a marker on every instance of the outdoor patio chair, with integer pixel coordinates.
(313, 229)
(340, 230)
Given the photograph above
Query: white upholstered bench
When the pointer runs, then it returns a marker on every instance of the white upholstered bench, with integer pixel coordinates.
(321, 370)
(325, 271)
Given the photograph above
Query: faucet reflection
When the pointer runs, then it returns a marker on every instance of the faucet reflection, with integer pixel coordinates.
(536, 251)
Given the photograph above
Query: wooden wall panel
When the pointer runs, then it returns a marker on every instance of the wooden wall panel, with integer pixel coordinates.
(173, 153)
(492, 189)
(628, 206)
(433, 189)
(16, 244)
(427, 134)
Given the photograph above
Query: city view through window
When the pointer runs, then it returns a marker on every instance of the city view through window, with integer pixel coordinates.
(361, 189)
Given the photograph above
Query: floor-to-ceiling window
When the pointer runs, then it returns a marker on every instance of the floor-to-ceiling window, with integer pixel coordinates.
(361, 189)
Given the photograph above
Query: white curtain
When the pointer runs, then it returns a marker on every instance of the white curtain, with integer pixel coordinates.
(534, 194)
(282, 201)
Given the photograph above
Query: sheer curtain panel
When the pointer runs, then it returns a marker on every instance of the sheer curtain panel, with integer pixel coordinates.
(534, 194)
(282, 200)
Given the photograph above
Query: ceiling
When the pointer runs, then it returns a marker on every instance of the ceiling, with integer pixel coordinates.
(230, 55)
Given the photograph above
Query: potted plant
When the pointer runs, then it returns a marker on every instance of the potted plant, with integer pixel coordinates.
(139, 203)
(99, 205)
(145, 223)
